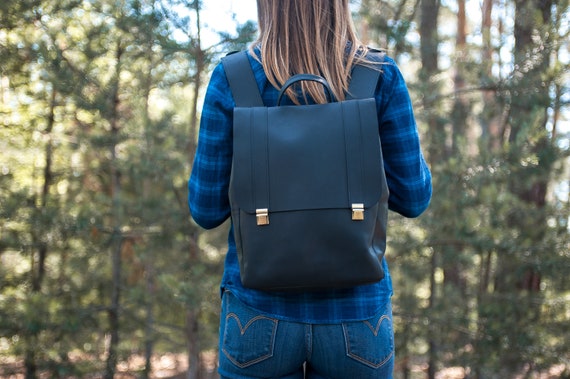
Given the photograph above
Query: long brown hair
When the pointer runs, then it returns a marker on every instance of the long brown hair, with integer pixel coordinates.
(308, 37)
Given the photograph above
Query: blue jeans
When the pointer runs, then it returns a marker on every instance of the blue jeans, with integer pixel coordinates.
(253, 345)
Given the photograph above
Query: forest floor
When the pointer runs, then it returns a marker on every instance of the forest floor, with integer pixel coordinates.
(174, 366)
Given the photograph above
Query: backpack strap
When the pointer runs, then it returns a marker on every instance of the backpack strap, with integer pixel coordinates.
(246, 93)
(242, 80)
(365, 77)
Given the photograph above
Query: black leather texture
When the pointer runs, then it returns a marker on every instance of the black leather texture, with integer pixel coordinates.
(307, 165)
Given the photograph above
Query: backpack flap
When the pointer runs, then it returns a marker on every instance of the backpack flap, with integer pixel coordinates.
(292, 158)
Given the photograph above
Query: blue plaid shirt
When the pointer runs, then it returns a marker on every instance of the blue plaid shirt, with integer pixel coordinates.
(408, 177)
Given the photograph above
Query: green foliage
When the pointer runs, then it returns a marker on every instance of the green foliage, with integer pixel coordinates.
(476, 277)
(96, 140)
(95, 150)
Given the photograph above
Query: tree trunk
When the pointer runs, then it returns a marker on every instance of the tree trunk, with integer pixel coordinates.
(528, 117)
(460, 128)
(192, 326)
(517, 274)
(491, 120)
(428, 36)
(491, 129)
(117, 237)
(147, 194)
(38, 264)
(149, 320)
(193, 344)
(460, 111)
(38, 276)
(429, 42)
(199, 56)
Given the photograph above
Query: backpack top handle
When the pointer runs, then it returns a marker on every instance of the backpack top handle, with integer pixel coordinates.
(304, 77)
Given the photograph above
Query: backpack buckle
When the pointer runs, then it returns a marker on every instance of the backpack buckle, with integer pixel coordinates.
(262, 216)
(357, 212)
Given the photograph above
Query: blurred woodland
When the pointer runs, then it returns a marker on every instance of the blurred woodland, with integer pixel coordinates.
(104, 275)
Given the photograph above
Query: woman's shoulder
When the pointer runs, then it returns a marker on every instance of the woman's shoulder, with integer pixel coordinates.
(391, 75)
(219, 74)
(254, 55)
(382, 61)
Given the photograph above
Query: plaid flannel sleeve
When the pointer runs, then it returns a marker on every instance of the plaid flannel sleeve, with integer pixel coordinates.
(209, 181)
(407, 173)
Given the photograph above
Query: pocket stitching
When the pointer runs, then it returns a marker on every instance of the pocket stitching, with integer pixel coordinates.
(378, 324)
(242, 332)
(375, 331)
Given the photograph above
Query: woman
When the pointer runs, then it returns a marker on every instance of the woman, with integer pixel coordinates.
(330, 334)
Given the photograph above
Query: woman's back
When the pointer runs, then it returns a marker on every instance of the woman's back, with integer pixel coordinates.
(328, 334)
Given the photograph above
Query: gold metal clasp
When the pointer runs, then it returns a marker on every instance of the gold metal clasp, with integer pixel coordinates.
(262, 215)
(357, 212)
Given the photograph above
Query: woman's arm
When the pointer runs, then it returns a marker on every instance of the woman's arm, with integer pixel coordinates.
(407, 173)
(209, 181)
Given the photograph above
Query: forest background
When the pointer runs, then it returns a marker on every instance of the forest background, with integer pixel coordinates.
(103, 274)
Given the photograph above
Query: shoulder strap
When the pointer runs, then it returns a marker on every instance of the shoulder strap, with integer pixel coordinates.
(246, 93)
(365, 78)
(242, 80)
